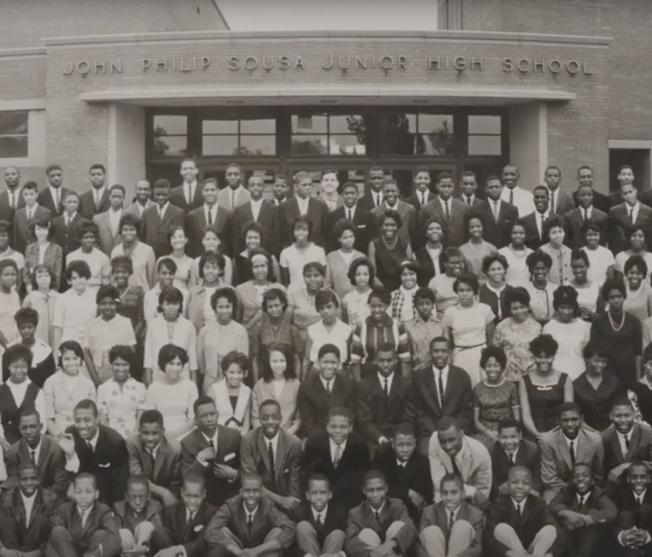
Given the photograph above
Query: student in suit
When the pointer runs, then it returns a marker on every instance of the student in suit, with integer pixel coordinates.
(141, 201)
(157, 458)
(450, 212)
(583, 508)
(408, 232)
(624, 441)
(25, 217)
(275, 455)
(634, 503)
(320, 530)
(373, 196)
(534, 223)
(96, 200)
(585, 178)
(560, 201)
(585, 212)
(184, 524)
(303, 204)
(322, 391)
(158, 219)
(380, 525)
(25, 512)
(98, 450)
(108, 222)
(363, 221)
(422, 193)
(263, 213)
(469, 190)
(627, 214)
(12, 197)
(188, 195)
(497, 215)
(407, 471)
(65, 227)
(511, 449)
(39, 450)
(339, 454)
(84, 526)
(451, 527)
(52, 196)
(234, 194)
(381, 399)
(566, 445)
(210, 214)
(212, 451)
(439, 390)
(249, 523)
(519, 522)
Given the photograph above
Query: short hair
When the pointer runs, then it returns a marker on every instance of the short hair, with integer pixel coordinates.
(209, 181)
(252, 227)
(432, 220)
(470, 280)
(128, 219)
(235, 357)
(544, 344)
(107, 291)
(170, 295)
(328, 349)
(5, 227)
(193, 478)
(269, 402)
(17, 352)
(583, 167)
(303, 222)
(636, 261)
(447, 254)
(622, 401)
(578, 254)
(349, 185)
(342, 226)
(118, 187)
(314, 266)
(324, 297)
(508, 423)
(200, 401)
(361, 262)
(301, 175)
(408, 264)
(404, 429)
(26, 315)
(446, 423)
(438, 339)
(229, 294)
(78, 266)
(565, 295)
(267, 373)
(391, 214)
(87, 404)
(137, 479)
(538, 256)
(123, 352)
(70, 346)
(318, 477)
(151, 416)
(443, 175)
(85, 476)
(569, 406)
(340, 411)
(453, 478)
(97, 165)
(424, 293)
(50, 167)
(69, 193)
(489, 260)
(495, 352)
(376, 168)
(552, 167)
(612, 284)
(161, 183)
(591, 227)
(594, 348)
(169, 352)
(625, 167)
(492, 178)
(373, 475)
(167, 263)
(380, 293)
(122, 262)
(552, 222)
(30, 185)
(274, 294)
(541, 187)
(30, 410)
(468, 174)
(173, 230)
(213, 258)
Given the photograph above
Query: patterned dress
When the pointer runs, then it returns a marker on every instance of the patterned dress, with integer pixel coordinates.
(496, 403)
(514, 338)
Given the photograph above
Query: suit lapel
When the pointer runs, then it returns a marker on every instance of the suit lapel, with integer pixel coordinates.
(281, 450)
(633, 443)
(160, 457)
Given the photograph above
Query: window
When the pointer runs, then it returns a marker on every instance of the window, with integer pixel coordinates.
(239, 137)
(416, 134)
(170, 135)
(319, 134)
(13, 134)
(485, 135)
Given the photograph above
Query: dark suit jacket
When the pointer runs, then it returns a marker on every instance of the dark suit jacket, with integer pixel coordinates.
(426, 266)
(362, 517)
(317, 212)
(619, 223)
(640, 446)
(109, 462)
(22, 235)
(178, 197)
(424, 411)
(176, 531)
(600, 200)
(167, 466)
(528, 455)
(195, 222)
(87, 206)
(346, 479)
(107, 240)
(335, 520)
(409, 232)
(269, 220)
(489, 297)
(535, 516)
(454, 228)
(367, 201)
(314, 402)
(378, 414)
(416, 203)
(532, 238)
(435, 515)
(365, 225)
(4, 198)
(598, 506)
(15, 532)
(66, 236)
(100, 517)
(575, 223)
(497, 232)
(254, 457)
(630, 513)
(563, 203)
(415, 475)
(228, 452)
(50, 468)
(154, 232)
(232, 515)
(44, 199)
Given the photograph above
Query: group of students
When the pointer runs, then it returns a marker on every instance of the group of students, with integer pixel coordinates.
(208, 372)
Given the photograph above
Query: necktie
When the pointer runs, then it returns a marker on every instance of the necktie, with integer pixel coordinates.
(89, 446)
(337, 456)
(56, 200)
(96, 195)
(349, 214)
(30, 214)
(456, 469)
(512, 458)
(160, 212)
(468, 201)
(496, 210)
(451, 521)
(377, 515)
(541, 226)
(190, 517)
(149, 463)
(423, 199)
(519, 508)
(188, 194)
(581, 501)
(210, 216)
(386, 386)
(585, 213)
(32, 455)
(627, 441)
(447, 212)
(328, 385)
(319, 520)
(639, 499)
(211, 444)
(511, 196)
(572, 453)
(377, 199)
(67, 221)
(250, 521)
(270, 453)
(440, 387)
(553, 205)
(630, 215)
(11, 200)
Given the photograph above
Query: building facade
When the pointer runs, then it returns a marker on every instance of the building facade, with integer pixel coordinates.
(535, 83)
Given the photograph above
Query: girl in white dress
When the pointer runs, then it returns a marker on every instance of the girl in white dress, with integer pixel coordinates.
(355, 305)
(516, 254)
(232, 397)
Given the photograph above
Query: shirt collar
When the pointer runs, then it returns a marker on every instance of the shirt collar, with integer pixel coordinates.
(27, 499)
(518, 504)
(94, 439)
(333, 444)
(316, 513)
(379, 510)
(209, 439)
(443, 371)
(154, 451)
(640, 496)
(569, 441)
(273, 441)
(583, 498)
(249, 513)
(382, 378)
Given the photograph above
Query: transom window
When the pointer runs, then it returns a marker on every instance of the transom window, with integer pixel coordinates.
(14, 134)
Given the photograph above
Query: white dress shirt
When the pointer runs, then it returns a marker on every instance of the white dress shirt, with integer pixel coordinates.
(389, 379)
(540, 218)
(333, 448)
(114, 219)
(212, 211)
(303, 205)
(56, 197)
(28, 503)
(623, 439)
(255, 208)
(444, 379)
(98, 193)
(274, 442)
(189, 191)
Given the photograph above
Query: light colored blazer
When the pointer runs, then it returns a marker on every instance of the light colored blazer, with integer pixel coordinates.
(133, 209)
(53, 258)
(240, 418)
(249, 308)
(107, 240)
(224, 198)
(287, 400)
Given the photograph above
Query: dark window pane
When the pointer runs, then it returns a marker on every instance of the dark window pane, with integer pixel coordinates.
(219, 145)
(488, 145)
(13, 146)
(396, 133)
(309, 145)
(253, 145)
(346, 145)
(258, 125)
(309, 123)
(13, 122)
(170, 146)
(167, 124)
(485, 125)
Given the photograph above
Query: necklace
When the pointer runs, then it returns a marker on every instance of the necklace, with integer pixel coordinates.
(613, 325)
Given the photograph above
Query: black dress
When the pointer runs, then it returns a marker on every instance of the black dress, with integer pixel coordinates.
(388, 262)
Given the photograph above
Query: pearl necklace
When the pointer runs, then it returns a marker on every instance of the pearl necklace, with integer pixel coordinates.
(613, 325)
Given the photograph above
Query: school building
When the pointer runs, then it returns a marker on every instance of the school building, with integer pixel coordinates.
(139, 84)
